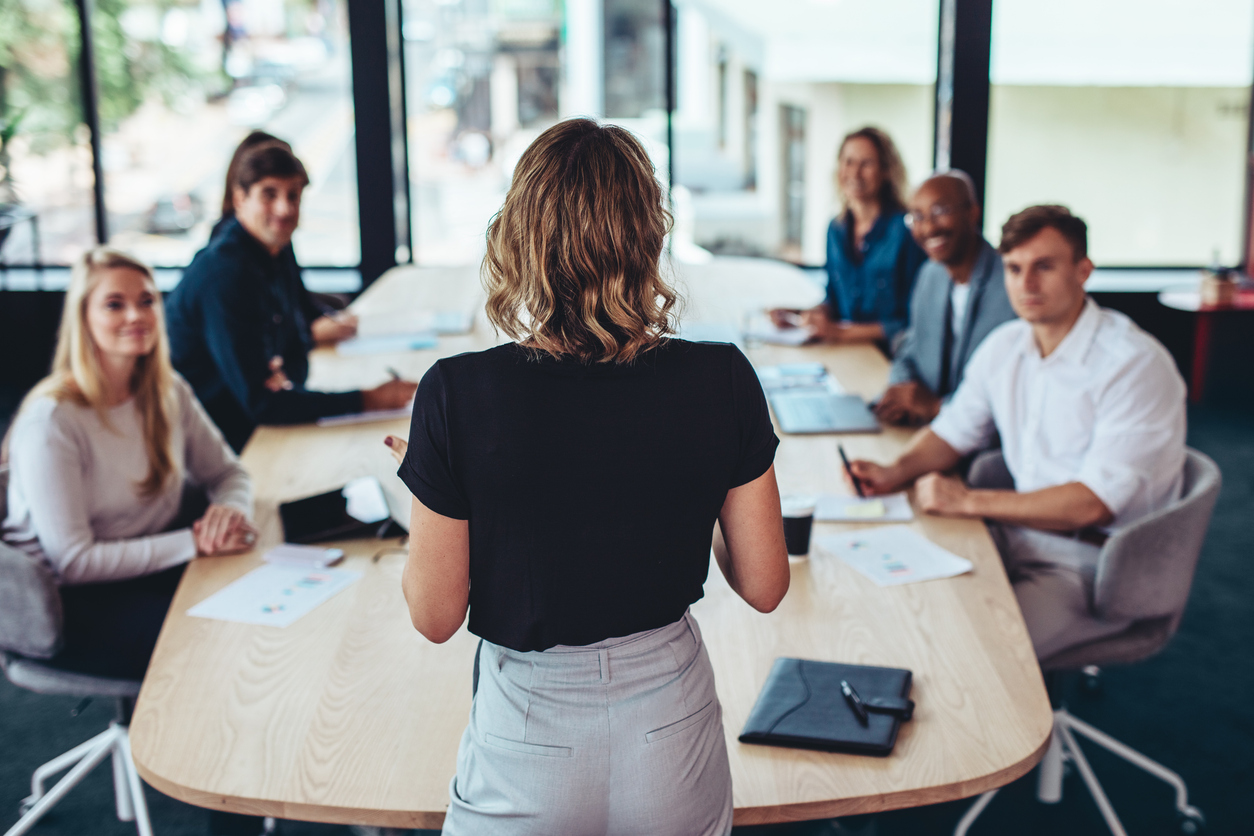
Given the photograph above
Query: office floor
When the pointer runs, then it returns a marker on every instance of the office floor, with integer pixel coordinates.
(1188, 707)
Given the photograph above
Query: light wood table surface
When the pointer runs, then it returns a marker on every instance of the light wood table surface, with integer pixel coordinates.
(350, 716)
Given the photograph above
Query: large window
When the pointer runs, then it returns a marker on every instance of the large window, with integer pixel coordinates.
(178, 84)
(1134, 113)
(766, 91)
(207, 73)
(45, 159)
(483, 79)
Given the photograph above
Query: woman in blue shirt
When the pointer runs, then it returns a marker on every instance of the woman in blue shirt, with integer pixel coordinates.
(872, 259)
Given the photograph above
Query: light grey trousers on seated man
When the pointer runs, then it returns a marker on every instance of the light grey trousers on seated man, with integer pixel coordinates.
(1052, 575)
(619, 738)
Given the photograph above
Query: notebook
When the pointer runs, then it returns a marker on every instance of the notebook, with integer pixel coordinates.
(801, 706)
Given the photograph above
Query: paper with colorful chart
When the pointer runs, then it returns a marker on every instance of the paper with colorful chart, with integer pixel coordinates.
(274, 596)
(893, 555)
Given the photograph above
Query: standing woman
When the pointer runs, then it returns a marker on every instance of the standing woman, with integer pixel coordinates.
(567, 487)
(872, 260)
(99, 455)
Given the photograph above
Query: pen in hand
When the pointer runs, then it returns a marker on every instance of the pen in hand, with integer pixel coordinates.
(855, 702)
(857, 483)
(394, 373)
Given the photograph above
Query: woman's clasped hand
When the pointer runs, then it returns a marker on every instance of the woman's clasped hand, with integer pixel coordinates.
(223, 530)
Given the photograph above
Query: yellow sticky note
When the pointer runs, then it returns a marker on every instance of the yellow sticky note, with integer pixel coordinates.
(868, 510)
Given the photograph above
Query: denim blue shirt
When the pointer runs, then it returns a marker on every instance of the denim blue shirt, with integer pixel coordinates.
(873, 284)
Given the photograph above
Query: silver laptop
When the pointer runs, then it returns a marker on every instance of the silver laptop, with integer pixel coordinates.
(817, 410)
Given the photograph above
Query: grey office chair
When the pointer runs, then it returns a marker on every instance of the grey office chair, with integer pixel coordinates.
(30, 637)
(1143, 573)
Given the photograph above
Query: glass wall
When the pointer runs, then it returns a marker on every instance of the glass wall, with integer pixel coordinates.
(765, 93)
(46, 201)
(485, 77)
(207, 73)
(1134, 113)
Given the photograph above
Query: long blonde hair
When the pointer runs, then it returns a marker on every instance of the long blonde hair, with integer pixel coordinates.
(572, 264)
(77, 376)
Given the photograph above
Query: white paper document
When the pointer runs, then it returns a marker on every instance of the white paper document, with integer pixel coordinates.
(366, 417)
(761, 329)
(894, 507)
(274, 596)
(410, 322)
(303, 557)
(893, 555)
(387, 344)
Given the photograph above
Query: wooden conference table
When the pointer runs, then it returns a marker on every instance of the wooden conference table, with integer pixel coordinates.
(350, 716)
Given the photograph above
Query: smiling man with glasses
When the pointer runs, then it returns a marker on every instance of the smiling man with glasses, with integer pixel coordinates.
(959, 297)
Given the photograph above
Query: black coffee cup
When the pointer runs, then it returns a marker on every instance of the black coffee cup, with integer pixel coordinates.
(798, 514)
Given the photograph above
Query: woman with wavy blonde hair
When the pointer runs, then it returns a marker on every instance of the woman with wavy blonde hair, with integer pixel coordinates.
(568, 487)
(99, 455)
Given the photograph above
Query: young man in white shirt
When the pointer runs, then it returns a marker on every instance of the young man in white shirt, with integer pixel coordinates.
(1091, 414)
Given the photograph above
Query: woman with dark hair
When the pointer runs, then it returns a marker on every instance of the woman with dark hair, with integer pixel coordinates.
(327, 323)
(872, 260)
(567, 489)
(240, 327)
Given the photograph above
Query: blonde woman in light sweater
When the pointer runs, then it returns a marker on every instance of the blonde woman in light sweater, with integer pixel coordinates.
(99, 455)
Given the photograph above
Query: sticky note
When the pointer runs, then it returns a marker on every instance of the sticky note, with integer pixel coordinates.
(871, 509)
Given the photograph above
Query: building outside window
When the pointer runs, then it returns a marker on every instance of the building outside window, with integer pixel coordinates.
(1134, 113)
(46, 199)
(484, 78)
(179, 83)
(843, 65)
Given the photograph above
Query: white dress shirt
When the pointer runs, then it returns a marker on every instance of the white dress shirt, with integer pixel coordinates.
(959, 294)
(1105, 409)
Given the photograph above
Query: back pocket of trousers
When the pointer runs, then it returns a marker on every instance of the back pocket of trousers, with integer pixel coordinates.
(527, 748)
(688, 722)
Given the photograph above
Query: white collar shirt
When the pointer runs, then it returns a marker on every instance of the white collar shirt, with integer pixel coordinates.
(1106, 409)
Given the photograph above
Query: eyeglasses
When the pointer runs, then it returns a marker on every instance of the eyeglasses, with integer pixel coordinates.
(938, 210)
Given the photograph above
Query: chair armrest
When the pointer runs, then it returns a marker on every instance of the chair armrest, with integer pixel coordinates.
(1146, 569)
(988, 471)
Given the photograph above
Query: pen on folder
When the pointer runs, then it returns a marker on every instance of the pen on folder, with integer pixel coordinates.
(857, 484)
(855, 702)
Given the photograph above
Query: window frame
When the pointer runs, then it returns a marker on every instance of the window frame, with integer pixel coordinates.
(961, 117)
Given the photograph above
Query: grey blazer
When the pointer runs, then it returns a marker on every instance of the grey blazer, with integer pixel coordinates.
(919, 357)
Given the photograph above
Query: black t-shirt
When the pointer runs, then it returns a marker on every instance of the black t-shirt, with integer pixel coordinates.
(591, 490)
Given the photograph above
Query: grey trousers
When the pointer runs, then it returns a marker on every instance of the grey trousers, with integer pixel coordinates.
(620, 737)
(1053, 575)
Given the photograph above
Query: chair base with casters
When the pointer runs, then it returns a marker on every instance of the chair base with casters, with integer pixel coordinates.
(113, 743)
(1064, 749)
(1143, 575)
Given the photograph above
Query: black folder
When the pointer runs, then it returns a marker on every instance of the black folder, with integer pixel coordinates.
(801, 706)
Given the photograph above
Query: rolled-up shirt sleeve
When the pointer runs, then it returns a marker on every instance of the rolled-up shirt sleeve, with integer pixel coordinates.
(757, 435)
(428, 468)
(1140, 432)
(966, 422)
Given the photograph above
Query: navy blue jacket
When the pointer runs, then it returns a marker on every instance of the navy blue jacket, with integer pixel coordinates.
(873, 284)
(235, 309)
